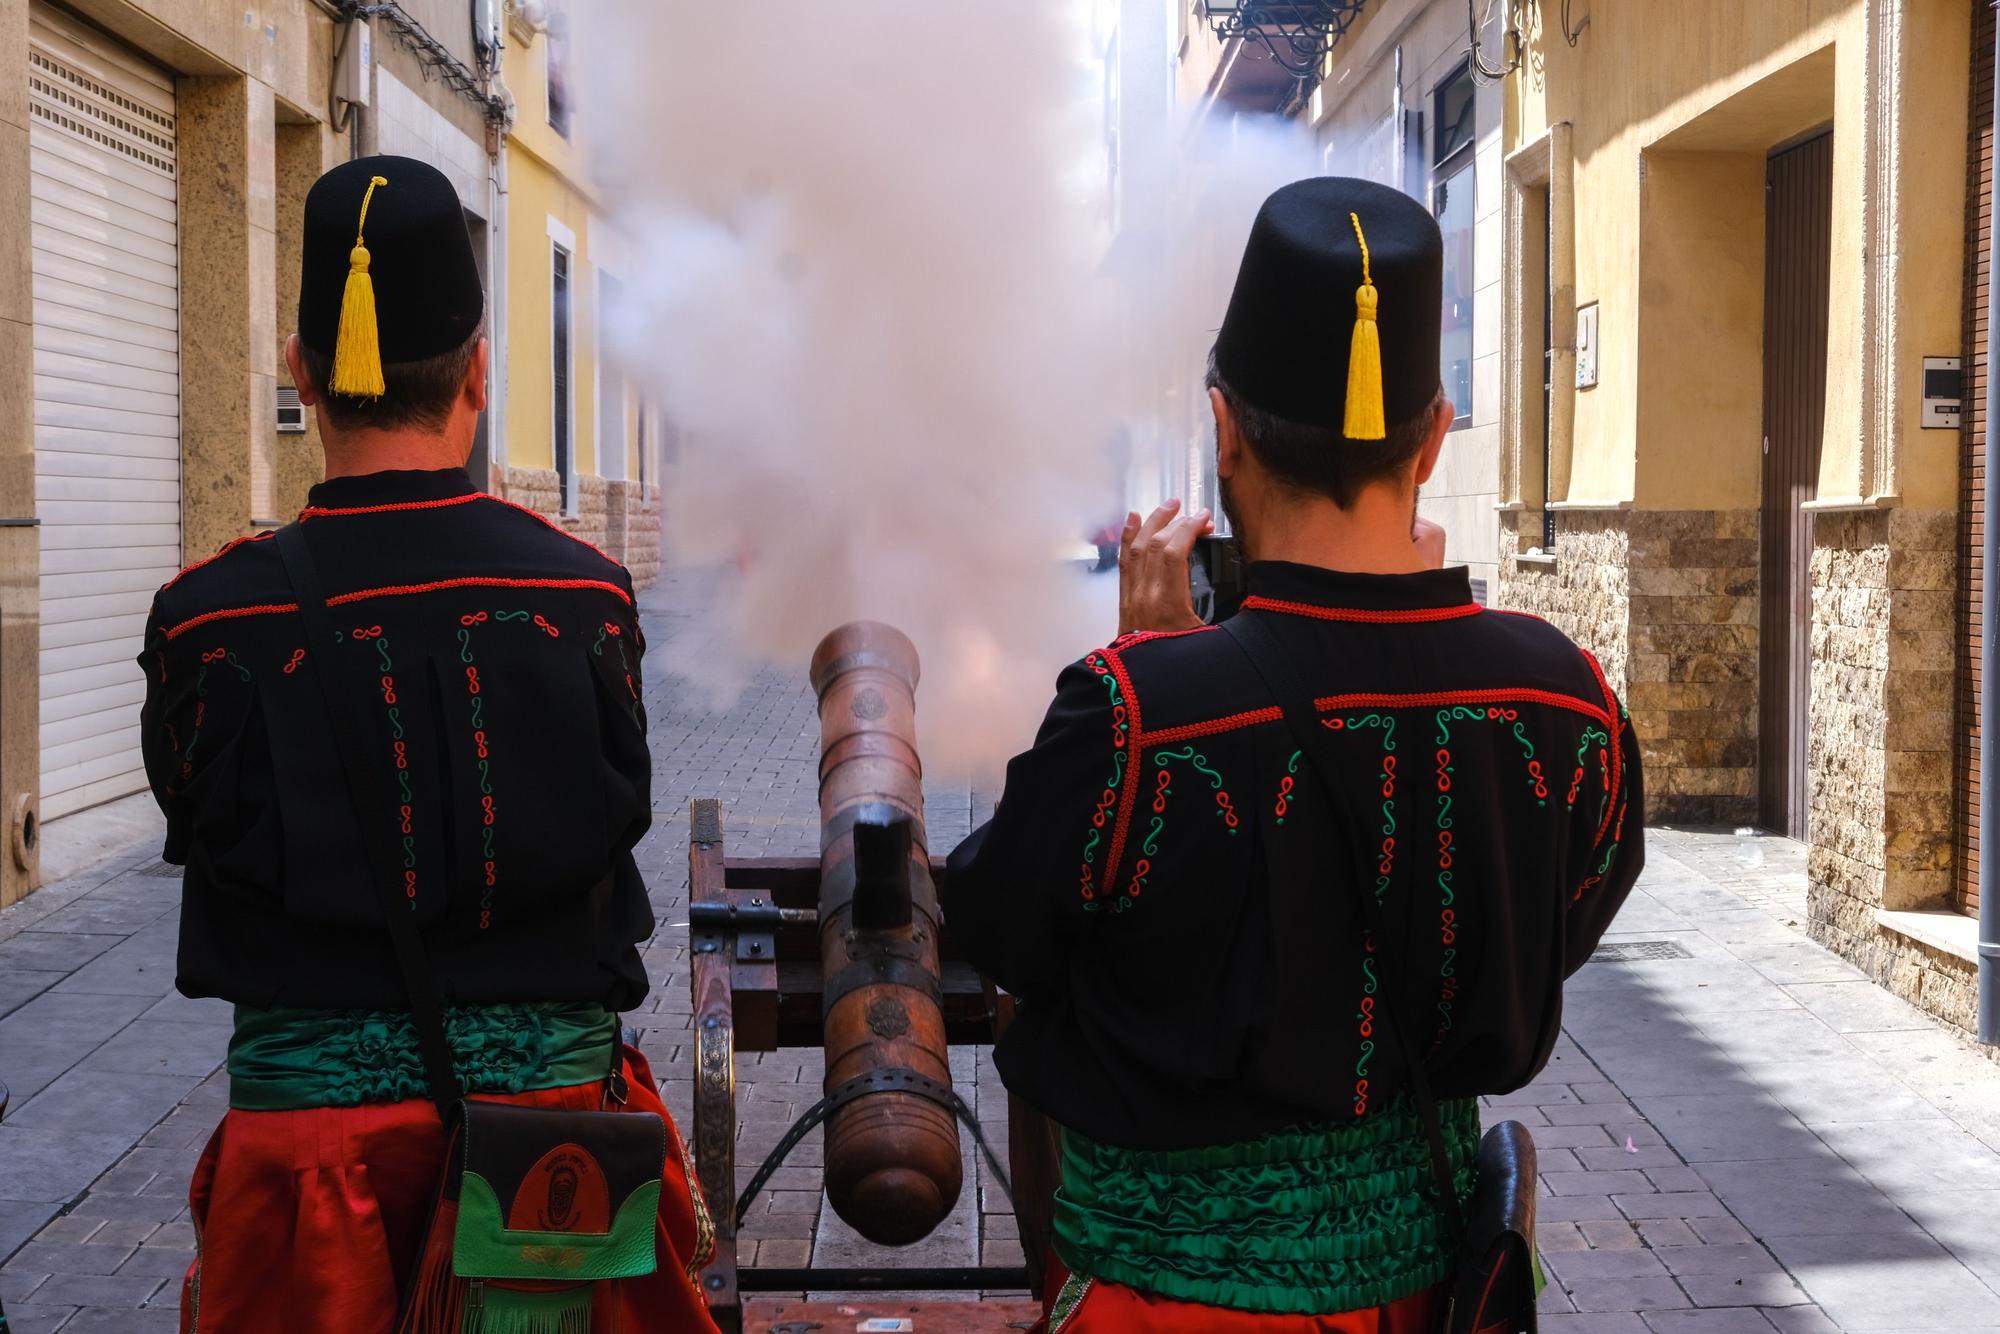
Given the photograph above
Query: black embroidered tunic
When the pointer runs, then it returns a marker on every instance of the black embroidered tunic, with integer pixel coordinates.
(1173, 995)
(500, 658)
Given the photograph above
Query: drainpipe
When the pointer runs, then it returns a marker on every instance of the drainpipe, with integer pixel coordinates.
(497, 240)
(1989, 697)
(1397, 170)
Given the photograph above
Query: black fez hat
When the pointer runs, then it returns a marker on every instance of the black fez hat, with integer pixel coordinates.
(388, 274)
(1324, 332)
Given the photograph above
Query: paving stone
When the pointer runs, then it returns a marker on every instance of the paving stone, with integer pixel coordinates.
(1674, 1179)
(1801, 1320)
(22, 1219)
(1735, 1260)
(1801, 1195)
(1680, 1204)
(1707, 1322)
(1886, 1280)
(107, 1102)
(1627, 1294)
(1595, 1323)
(1558, 1237)
(162, 1047)
(31, 1065)
(18, 986)
(1596, 1183)
(1720, 1231)
(69, 1257)
(1633, 1263)
(1607, 1233)
(57, 952)
(1669, 1234)
(36, 1318)
(153, 1319)
(1577, 1208)
(52, 1165)
(158, 1262)
(1771, 1288)
(80, 1289)
(81, 1019)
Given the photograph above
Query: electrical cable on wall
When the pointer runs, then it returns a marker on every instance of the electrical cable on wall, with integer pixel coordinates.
(1510, 36)
(1570, 34)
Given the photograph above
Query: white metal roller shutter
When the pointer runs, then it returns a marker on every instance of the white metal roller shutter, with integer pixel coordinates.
(107, 393)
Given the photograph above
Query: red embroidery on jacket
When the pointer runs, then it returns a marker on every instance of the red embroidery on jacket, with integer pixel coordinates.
(331, 512)
(222, 551)
(398, 590)
(1406, 616)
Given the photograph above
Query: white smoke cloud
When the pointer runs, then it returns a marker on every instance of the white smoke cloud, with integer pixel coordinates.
(871, 287)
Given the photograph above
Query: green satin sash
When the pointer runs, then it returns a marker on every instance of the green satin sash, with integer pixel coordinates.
(288, 1059)
(1313, 1221)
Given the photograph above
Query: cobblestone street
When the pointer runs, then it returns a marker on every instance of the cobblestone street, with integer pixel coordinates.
(1738, 1132)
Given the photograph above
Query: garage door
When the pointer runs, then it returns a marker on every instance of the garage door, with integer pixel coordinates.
(107, 393)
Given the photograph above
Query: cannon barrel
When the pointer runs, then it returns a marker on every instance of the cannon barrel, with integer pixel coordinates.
(893, 1170)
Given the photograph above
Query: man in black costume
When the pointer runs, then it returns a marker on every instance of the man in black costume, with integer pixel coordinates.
(494, 661)
(1239, 1149)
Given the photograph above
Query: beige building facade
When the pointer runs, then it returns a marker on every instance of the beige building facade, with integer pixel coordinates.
(165, 148)
(577, 442)
(1733, 233)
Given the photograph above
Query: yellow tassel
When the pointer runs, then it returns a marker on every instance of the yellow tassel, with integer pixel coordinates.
(1365, 417)
(357, 348)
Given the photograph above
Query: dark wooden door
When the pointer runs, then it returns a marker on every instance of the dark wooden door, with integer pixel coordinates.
(1972, 457)
(1798, 204)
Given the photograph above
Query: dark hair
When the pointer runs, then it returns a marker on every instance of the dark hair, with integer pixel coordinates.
(1319, 459)
(414, 393)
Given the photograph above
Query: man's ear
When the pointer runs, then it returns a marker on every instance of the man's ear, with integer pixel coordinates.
(474, 387)
(1228, 440)
(296, 364)
(1442, 417)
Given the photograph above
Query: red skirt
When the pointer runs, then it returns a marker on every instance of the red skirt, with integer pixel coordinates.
(1112, 1308)
(311, 1221)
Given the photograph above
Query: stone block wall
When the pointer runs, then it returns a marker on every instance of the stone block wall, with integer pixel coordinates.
(1583, 592)
(1667, 600)
(1691, 674)
(610, 516)
(1880, 754)
(644, 538)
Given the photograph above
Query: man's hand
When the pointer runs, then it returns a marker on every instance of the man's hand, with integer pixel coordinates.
(1429, 538)
(1153, 592)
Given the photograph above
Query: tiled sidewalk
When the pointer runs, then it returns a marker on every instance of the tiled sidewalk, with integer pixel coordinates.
(1750, 1137)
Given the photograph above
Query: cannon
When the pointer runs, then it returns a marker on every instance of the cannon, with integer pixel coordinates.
(847, 951)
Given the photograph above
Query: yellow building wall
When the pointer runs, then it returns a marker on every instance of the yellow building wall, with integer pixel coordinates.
(1668, 102)
(547, 178)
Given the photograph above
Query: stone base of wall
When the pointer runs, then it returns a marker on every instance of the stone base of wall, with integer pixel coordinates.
(610, 515)
(1880, 751)
(1692, 675)
(1941, 984)
(1667, 600)
(1584, 592)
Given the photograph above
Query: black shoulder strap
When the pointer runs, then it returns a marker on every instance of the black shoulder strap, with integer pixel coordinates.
(367, 792)
(1268, 659)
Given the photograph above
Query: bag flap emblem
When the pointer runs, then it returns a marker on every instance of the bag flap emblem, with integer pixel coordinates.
(565, 1191)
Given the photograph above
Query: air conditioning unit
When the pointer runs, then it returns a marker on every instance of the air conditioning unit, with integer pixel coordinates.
(291, 412)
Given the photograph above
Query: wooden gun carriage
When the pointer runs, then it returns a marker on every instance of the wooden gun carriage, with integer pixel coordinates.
(847, 951)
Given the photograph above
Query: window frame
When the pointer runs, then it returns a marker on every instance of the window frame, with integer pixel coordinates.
(562, 343)
(1459, 165)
